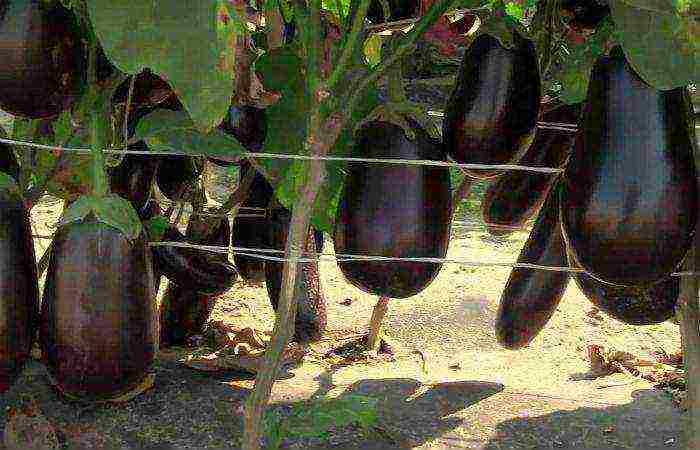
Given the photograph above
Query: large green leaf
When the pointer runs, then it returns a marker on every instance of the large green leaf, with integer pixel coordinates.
(662, 45)
(173, 131)
(180, 40)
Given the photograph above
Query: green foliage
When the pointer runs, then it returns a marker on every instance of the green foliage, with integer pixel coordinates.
(287, 131)
(111, 210)
(174, 131)
(178, 39)
(662, 45)
(156, 227)
(314, 419)
(9, 189)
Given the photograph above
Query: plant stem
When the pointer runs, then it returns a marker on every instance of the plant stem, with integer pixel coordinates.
(375, 323)
(349, 47)
(322, 135)
(688, 312)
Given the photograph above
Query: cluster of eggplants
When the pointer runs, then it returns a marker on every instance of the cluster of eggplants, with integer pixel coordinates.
(624, 210)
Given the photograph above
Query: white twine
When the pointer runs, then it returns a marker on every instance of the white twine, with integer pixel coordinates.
(547, 125)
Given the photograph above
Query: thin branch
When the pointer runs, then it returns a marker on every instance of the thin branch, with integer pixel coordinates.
(349, 48)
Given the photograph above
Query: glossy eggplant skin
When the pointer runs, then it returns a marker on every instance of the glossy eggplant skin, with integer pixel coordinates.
(633, 305)
(43, 61)
(201, 271)
(99, 329)
(513, 198)
(251, 232)
(183, 310)
(629, 202)
(311, 316)
(531, 296)
(400, 9)
(491, 115)
(394, 210)
(174, 174)
(248, 125)
(19, 290)
(150, 91)
(133, 178)
(183, 313)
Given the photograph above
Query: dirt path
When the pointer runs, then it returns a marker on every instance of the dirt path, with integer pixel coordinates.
(470, 394)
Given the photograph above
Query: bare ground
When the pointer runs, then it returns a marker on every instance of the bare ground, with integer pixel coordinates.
(470, 393)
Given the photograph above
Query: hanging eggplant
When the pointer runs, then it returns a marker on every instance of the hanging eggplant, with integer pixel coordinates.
(633, 305)
(308, 293)
(251, 232)
(184, 311)
(531, 295)
(44, 62)
(515, 197)
(394, 210)
(201, 271)
(248, 125)
(133, 178)
(175, 174)
(629, 200)
(19, 290)
(492, 113)
(98, 328)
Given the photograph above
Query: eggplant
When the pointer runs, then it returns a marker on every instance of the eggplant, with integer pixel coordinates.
(175, 174)
(98, 330)
(8, 162)
(150, 91)
(633, 305)
(512, 199)
(133, 178)
(43, 70)
(251, 232)
(19, 290)
(311, 313)
(491, 115)
(531, 295)
(201, 271)
(585, 15)
(248, 125)
(400, 9)
(394, 210)
(183, 313)
(629, 201)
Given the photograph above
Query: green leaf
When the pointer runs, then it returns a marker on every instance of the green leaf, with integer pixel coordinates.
(9, 189)
(77, 211)
(157, 226)
(177, 39)
(117, 212)
(174, 131)
(661, 45)
(111, 210)
(373, 50)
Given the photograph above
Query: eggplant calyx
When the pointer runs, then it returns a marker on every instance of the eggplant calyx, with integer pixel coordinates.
(402, 114)
(110, 209)
(502, 27)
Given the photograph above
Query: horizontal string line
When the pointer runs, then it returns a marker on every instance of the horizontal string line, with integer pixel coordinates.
(264, 254)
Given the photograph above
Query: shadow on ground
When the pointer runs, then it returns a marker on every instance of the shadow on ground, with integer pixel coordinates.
(647, 422)
(189, 409)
